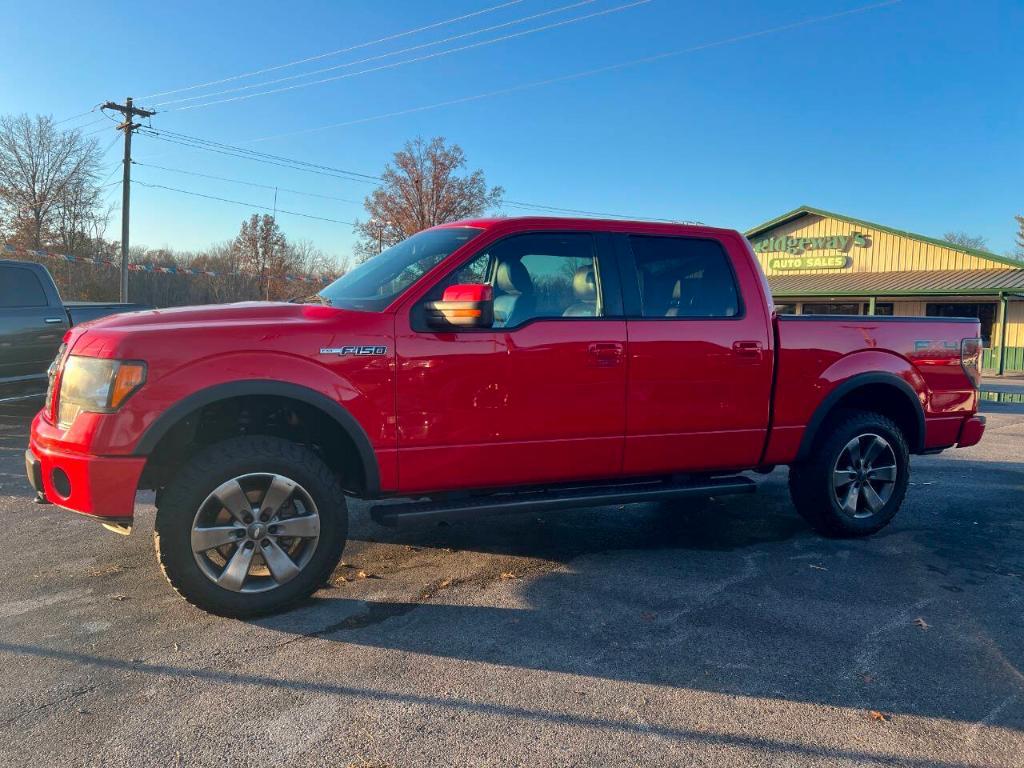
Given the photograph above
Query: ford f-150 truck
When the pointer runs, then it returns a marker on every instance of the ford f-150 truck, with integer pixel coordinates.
(488, 366)
(33, 320)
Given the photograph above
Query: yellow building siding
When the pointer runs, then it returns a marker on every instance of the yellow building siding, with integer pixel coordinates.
(1014, 326)
(908, 308)
(884, 251)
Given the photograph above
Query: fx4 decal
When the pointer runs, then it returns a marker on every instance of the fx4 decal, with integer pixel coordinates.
(356, 349)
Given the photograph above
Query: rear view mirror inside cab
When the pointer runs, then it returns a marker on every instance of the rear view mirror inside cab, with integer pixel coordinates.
(468, 305)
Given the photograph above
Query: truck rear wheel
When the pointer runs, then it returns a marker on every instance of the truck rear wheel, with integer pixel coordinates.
(856, 477)
(250, 526)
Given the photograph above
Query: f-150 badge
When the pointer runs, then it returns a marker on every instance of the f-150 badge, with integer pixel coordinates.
(360, 350)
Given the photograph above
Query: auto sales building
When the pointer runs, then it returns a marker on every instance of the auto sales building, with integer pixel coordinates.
(818, 262)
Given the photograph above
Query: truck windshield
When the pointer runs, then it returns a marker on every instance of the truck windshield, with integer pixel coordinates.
(376, 282)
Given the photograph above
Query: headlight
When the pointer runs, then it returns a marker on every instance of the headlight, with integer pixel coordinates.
(96, 385)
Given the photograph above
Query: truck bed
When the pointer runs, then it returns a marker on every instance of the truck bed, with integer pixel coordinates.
(815, 352)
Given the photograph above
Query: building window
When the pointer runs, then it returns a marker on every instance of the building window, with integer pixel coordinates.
(785, 309)
(883, 308)
(840, 308)
(984, 312)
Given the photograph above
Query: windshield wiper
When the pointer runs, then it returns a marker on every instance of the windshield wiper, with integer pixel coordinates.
(314, 298)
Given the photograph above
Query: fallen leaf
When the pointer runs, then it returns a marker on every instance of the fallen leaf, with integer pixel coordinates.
(343, 564)
(365, 575)
(342, 579)
(880, 717)
(509, 575)
(119, 598)
(106, 570)
(445, 584)
(818, 567)
(919, 622)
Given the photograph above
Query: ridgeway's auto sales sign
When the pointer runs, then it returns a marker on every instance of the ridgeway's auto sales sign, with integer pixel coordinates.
(798, 248)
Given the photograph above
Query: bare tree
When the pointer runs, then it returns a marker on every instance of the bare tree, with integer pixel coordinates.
(262, 248)
(77, 216)
(1020, 236)
(965, 240)
(422, 188)
(41, 168)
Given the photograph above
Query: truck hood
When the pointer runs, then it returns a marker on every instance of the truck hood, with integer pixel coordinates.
(190, 332)
(214, 315)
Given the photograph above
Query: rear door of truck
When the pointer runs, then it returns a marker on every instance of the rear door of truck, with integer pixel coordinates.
(700, 353)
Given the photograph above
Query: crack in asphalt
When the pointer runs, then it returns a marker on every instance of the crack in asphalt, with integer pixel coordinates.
(72, 695)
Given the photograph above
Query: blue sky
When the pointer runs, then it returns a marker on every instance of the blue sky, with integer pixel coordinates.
(909, 114)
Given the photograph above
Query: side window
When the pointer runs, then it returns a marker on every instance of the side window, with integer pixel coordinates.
(19, 287)
(684, 277)
(535, 276)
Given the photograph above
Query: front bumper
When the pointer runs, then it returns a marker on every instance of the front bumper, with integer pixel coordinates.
(99, 486)
(971, 432)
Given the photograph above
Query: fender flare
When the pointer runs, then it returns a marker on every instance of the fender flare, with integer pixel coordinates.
(826, 406)
(156, 431)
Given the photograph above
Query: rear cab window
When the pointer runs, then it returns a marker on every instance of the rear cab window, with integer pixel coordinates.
(684, 277)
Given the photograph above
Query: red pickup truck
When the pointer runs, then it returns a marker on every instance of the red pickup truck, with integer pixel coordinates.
(487, 366)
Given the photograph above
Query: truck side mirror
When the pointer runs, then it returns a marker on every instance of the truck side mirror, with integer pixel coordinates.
(468, 305)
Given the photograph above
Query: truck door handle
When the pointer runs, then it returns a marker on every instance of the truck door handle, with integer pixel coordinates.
(749, 350)
(605, 354)
(53, 320)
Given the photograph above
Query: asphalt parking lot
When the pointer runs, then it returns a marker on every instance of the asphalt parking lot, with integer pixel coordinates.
(725, 633)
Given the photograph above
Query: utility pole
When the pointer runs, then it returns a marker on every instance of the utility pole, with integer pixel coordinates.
(129, 128)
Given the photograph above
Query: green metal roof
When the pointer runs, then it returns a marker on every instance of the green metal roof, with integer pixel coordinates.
(950, 282)
(804, 210)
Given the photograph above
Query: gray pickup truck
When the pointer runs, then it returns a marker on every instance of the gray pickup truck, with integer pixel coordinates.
(33, 320)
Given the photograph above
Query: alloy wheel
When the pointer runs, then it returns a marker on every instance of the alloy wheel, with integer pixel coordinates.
(864, 475)
(255, 532)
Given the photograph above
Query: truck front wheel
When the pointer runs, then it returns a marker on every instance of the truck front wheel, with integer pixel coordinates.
(856, 476)
(250, 525)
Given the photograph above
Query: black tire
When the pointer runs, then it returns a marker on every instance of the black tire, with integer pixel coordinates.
(811, 483)
(192, 489)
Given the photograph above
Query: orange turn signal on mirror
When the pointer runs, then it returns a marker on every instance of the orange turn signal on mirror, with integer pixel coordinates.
(129, 377)
(454, 313)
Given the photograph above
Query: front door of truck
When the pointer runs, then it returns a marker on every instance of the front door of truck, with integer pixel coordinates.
(700, 355)
(30, 329)
(538, 397)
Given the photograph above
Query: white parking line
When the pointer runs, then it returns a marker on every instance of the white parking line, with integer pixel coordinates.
(16, 398)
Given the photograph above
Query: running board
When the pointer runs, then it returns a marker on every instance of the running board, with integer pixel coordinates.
(394, 515)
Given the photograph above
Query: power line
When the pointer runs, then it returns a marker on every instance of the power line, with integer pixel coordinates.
(389, 54)
(75, 117)
(247, 183)
(254, 159)
(416, 59)
(553, 208)
(222, 145)
(261, 157)
(239, 202)
(258, 157)
(337, 52)
(580, 75)
(104, 129)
